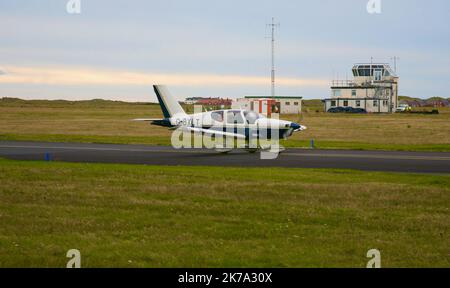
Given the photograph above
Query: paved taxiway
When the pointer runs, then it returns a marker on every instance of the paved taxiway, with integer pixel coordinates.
(420, 162)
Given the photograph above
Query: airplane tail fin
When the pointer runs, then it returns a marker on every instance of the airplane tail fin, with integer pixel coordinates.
(169, 105)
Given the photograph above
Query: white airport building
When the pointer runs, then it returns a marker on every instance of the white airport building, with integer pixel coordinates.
(267, 105)
(374, 88)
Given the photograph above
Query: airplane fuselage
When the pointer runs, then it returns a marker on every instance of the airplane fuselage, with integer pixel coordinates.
(248, 123)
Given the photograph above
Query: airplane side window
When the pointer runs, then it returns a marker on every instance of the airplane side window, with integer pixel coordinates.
(234, 117)
(251, 117)
(217, 116)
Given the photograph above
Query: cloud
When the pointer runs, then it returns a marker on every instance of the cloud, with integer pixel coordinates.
(94, 76)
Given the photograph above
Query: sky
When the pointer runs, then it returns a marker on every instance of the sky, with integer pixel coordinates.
(116, 49)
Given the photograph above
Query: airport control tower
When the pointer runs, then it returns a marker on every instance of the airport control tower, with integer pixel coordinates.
(374, 88)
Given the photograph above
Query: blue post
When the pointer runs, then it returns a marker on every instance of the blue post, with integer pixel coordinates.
(47, 156)
(312, 144)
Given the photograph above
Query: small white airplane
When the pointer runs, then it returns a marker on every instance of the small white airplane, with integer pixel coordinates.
(234, 123)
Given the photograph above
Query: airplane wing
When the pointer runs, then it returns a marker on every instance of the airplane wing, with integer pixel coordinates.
(163, 122)
(147, 120)
(214, 132)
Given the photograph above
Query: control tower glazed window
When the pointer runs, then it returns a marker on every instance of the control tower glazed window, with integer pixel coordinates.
(364, 71)
(378, 74)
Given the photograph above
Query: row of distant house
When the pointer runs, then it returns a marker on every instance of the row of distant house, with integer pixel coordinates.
(208, 101)
(432, 102)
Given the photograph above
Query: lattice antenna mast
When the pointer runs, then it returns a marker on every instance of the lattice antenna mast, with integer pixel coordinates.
(273, 26)
(395, 58)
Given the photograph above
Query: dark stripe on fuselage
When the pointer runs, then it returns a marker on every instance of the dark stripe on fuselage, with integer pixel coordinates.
(260, 132)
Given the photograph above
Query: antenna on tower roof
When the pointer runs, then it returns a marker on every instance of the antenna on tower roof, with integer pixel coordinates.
(395, 58)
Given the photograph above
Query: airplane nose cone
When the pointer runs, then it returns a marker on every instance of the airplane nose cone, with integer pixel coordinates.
(295, 126)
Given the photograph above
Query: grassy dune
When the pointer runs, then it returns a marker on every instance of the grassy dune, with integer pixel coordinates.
(109, 122)
(153, 216)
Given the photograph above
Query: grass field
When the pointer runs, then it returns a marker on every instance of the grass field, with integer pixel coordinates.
(156, 216)
(109, 122)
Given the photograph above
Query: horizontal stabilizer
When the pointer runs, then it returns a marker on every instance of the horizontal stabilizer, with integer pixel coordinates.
(147, 120)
